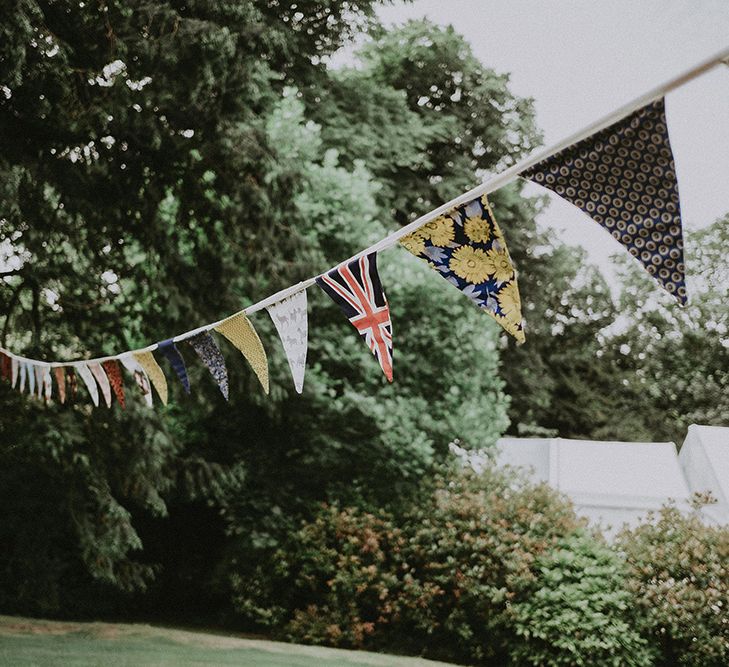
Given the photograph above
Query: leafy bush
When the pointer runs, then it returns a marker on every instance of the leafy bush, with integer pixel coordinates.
(679, 575)
(468, 554)
(490, 570)
(436, 580)
(578, 612)
(329, 584)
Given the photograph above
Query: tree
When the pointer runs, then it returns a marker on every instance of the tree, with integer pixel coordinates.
(136, 200)
(439, 117)
(174, 178)
(677, 359)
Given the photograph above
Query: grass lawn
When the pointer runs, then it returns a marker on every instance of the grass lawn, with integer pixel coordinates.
(25, 641)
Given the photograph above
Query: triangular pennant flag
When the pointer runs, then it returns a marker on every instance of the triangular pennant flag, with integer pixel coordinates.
(5, 366)
(98, 372)
(356, 288)
(240, 332)
(31, 378)
(72, 383)
(47, 384)
(290, 319)
(113, 372)
(209, 352)
(60, 374)
(147, 361)
(624, 178)
(89, 381)
(172, 354)
(467, 248)
(39, 372)
(23, 376)
(140, 377)
(14, 368)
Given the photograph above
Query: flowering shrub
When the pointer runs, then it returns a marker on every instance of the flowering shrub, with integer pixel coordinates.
(349, 563)
(468, 554)
(679, 576)
(437, 580)
(490, 570)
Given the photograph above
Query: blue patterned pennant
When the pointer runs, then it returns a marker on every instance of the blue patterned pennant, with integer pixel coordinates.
(172, 354)
(209, 352)
(624, 178)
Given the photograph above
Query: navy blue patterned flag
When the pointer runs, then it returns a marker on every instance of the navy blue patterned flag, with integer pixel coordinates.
(209, 352)
(356, 288)
(624, 178)
(172, 354)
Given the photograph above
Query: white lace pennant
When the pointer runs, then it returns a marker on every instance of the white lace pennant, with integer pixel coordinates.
(23, 376)
(47, 383)
(290, 318)
(39, 372)
(30, 373)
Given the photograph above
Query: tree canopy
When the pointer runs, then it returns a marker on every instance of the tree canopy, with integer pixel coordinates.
(167, 163)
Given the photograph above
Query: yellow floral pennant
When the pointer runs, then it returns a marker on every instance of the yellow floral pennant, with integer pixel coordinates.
(467, 248)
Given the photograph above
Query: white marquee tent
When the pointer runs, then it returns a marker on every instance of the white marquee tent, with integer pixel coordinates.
(704, 458)
(610, 483)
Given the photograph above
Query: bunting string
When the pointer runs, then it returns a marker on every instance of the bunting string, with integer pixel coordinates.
(632, 140)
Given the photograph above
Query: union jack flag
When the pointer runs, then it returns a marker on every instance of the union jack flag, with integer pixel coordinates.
(356, 288)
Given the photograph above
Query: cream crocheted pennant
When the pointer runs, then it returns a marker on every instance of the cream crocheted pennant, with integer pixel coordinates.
(240, 332)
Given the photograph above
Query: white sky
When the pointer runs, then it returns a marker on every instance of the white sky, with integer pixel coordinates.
(580, 60)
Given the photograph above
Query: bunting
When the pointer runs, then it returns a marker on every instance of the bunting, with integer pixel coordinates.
(23, 376)
(72, 383)
(240, 332)
(172, 354)
(209, 352)
(356, 288)
(140, 377)
(624, 178)
(89, 381)
(98, 372)
(113, 373)
(147, 361)
(60, 374)
(467, 248)
(291, 321)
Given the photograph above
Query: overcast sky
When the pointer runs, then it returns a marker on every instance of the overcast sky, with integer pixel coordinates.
(580, 60)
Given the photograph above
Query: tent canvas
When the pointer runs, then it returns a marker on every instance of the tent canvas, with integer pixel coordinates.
(610, 483)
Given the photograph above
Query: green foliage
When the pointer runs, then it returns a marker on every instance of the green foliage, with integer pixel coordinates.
(676, 360)
(679, 578)
(425, 115)
(168, 173)
(470, 552)
(138, 202)
(438, 579)
(578, 610)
